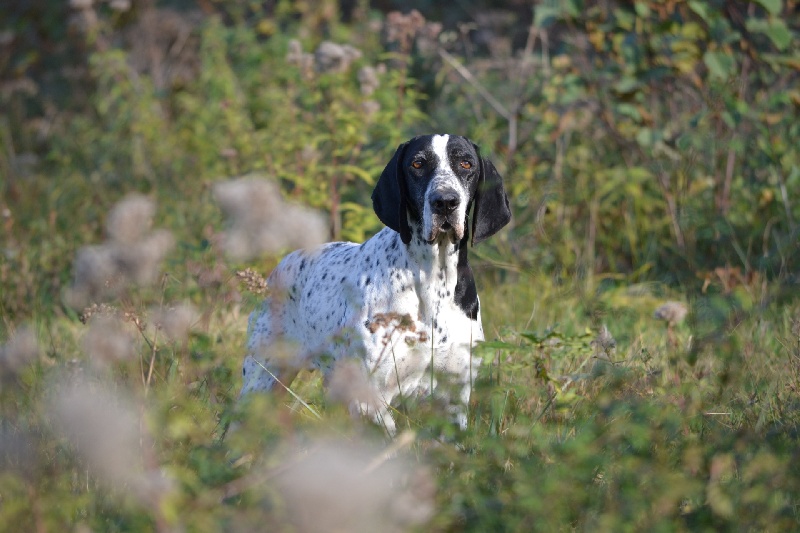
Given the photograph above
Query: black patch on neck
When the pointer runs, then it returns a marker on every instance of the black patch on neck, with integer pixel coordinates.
(466, 295)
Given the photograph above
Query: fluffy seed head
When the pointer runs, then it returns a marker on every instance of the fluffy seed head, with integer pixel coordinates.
(261, 222)
(349, 385)
(671, 312)
(333, 57)
(131, 256)
(604, 342)
(130, 219)
(176, 322)
(340, 486)
(108, 341)
(20, 350)
(104, 429)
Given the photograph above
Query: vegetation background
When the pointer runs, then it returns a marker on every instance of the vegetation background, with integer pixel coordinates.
(651, 150)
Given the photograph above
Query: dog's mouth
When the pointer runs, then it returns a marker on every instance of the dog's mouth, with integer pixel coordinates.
(444, 228)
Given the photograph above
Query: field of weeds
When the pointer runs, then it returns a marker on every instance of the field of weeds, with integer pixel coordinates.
(642, 363)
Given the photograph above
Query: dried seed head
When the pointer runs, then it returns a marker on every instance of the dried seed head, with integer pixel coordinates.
(671, 312)
(108, 340)
(348, 490)
(130, 219)
(80, 4)
(333, 57)
(349, 385)
(604, 343)
(176, 322)
(261, 222)
(21, 350)
(120, 5)
(104, 428)
(18, 451)
(131, 256)
(253, 281)
(96, 275)
(368, 80)
(140, 263)
(95, 309)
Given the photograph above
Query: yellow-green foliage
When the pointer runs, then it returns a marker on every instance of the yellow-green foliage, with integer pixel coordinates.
(650, 150)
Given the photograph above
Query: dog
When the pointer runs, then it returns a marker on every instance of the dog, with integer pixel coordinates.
(404, 303)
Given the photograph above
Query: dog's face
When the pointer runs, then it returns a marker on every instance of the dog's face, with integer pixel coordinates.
(433, 180)
(441, 177)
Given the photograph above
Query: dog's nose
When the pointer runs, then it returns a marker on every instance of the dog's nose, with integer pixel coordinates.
(444, 202)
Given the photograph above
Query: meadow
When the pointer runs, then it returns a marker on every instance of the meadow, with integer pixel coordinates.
(158, 159)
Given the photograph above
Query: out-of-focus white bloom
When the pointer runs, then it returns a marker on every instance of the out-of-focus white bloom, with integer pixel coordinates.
(340, 486)
(80, 4)
(130, 219)
(120, 5)
(132, 255)
(368, 80)
(104, 429)
(605, 343)
(108, 341)
(671, 312)
(176, 322)
(21, 349)
(349, 385)
(333, 57)
(261, 222)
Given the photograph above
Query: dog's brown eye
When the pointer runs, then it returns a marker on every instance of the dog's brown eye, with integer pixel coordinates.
(466, 164)
(417, 164)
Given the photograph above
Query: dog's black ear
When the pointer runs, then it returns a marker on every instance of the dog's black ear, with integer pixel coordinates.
(491, 203)
(389, 199)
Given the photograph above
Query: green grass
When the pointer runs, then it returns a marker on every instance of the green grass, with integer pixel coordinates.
(561, 436)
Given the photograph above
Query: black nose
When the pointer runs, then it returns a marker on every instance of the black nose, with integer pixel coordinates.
(444, 202)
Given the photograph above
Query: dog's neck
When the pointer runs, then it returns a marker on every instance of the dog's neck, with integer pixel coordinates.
(441, 272)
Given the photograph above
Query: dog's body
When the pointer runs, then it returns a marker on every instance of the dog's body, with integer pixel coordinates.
(404, 302)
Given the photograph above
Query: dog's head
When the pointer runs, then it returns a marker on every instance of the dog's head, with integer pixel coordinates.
(432, 182)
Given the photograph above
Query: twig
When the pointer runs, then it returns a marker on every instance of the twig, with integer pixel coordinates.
(403, 440)
(152, 363)
(290, 391)
(725, 200)
(467, 75)
(663, 180)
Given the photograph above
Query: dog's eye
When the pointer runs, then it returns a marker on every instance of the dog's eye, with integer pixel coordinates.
(417, 164)
(466, 164)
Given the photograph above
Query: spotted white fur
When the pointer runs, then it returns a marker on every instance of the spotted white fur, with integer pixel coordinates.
(332, 303)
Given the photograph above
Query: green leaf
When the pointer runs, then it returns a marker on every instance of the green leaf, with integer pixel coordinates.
(545, 16)
(627, 84)
(700, 9)
(498, 345)
(779, 33)
(642, 9)
(774, 28)
(720, 65)
(645, 137)
(774, 7)
(538, 339)
(357, 171)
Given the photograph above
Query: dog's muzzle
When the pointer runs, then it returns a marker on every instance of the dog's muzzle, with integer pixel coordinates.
(444, 209)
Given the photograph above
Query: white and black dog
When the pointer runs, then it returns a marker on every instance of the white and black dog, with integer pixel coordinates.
(404, 303)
